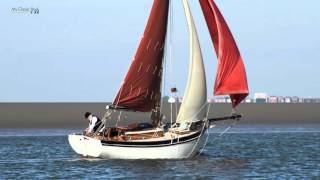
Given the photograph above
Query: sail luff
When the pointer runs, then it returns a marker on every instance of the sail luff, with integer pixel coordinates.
(140, 90)
(231, 76)
(195, 96)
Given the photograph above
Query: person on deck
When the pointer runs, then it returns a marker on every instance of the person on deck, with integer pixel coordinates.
(94, 122)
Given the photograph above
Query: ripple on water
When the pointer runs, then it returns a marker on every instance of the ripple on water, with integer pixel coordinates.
(232, 156)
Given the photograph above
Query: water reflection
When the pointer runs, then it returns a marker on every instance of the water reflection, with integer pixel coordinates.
(232, 156)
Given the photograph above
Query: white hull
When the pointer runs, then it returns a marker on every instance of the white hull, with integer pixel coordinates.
(91, 147)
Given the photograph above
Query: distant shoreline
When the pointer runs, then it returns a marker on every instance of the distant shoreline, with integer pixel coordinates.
(69, 115)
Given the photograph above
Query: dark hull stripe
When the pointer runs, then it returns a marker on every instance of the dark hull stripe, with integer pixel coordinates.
(152, 143)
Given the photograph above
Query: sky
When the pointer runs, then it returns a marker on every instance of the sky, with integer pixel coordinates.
(80, 50)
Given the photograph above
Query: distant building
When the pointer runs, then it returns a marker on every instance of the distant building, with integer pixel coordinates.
(261, 100)
(172, 100)
(295, 99)
(165, 98)
(221, 99)
(210, 100)
(301, 100)
(260, 97)
(281, 99)
(311, 100)
(273, 99)
(287, 99)
(307, 100)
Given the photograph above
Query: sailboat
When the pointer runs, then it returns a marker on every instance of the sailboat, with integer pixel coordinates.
(141, 92)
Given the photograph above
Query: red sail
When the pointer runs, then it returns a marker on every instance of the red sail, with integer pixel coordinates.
(140, 90)
(231, 76)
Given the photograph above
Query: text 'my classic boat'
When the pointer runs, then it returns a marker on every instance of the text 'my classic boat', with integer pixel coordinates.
(141, 92)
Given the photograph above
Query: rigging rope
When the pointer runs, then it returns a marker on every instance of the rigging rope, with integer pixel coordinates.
(203, 128)
(221, 134)
(207, 131)
(170, 41)
(170, 57)
(163, 84)
(119, 118)
(167, 47)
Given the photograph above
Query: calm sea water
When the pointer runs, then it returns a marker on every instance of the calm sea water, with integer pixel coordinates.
(255, 155)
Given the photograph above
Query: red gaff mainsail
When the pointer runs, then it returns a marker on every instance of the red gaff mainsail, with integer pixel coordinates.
(231, 76)
(140, 90)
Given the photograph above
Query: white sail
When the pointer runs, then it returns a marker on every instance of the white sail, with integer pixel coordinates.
(193, 107)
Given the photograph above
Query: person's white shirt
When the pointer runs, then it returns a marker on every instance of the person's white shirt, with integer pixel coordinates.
(92, 122)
